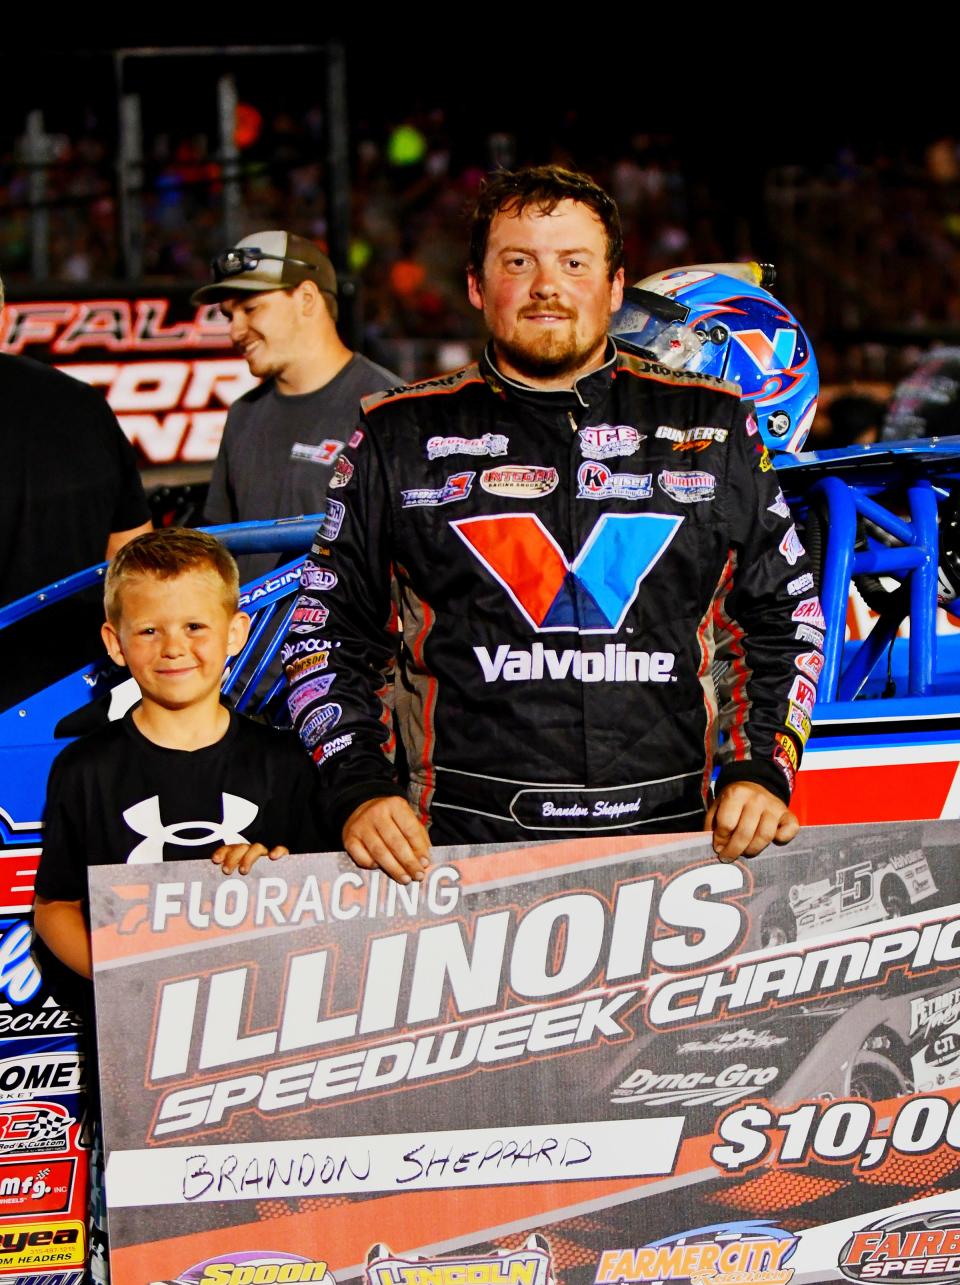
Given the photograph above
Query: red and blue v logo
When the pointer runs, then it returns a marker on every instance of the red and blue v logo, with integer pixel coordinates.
(593, 593)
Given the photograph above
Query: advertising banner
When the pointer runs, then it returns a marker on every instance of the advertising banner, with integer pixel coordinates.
(592, 1062)
(166, 366)
(43, 1136)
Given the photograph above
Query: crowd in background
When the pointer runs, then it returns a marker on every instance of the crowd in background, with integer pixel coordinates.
(866, 239)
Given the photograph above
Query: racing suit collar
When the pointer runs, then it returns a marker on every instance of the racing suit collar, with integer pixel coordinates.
(587, 390)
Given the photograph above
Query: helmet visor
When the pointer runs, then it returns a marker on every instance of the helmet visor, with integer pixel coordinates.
(658, 326)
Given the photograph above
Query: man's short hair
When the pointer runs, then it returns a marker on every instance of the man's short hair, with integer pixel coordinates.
(543, 186)
(164, 555)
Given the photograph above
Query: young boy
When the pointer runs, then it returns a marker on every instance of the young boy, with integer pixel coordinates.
(180, 777)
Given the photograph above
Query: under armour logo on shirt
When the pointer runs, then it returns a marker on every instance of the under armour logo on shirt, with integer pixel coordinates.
(145, 819)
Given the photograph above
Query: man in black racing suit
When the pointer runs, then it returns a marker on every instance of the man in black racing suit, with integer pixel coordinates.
(569, 530)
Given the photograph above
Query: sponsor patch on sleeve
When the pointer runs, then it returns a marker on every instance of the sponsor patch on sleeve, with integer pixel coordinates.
(332, 521)
(798, 720)
(329, 748)
(342, 473)
(319, 578)
(810, 612)
(309, 614)
(790, 546)
(804, 693)
(785, 766)
(802, 584)
(320, 724)
(811, 664)
(805, 633)
(780, 506)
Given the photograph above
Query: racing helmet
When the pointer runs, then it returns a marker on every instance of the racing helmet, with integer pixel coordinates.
(719, 319)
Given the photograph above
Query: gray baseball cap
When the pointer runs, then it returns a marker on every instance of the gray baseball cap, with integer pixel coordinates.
(268, 261)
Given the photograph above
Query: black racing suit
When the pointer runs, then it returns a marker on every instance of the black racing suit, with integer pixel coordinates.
(569, 569)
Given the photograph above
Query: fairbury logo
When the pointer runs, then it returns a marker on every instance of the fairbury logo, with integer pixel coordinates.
(144, 818)
(612, 665)
(906, 1247)
(591, 595)
(607, 441)
(596, 482)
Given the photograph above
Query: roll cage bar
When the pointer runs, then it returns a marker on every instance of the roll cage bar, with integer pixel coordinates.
(879, 511)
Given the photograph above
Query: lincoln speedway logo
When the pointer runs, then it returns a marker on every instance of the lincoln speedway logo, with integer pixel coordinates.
(528, 1266)
(590, 595)
(145, 819)
(723, 1254)
(925, 1245)
(254, 1267)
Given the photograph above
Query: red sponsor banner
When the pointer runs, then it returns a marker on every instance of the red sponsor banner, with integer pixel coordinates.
(32, 1187)
(166, 367)
(18, 870)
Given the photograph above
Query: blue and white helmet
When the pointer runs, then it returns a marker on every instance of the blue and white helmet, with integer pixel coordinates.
(717, 318)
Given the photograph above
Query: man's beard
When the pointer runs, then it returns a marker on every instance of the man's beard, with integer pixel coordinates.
(552, 355)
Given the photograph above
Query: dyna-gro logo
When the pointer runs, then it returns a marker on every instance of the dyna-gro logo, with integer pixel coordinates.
(593, 593)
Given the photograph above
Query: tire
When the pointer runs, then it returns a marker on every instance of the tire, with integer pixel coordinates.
(895, 898)
(778, 927)
(875, 1077)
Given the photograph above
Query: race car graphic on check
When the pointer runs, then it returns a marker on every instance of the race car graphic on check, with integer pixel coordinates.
(840, 890)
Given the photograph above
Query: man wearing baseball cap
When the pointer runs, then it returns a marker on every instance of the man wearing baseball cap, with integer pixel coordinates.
(282, 439)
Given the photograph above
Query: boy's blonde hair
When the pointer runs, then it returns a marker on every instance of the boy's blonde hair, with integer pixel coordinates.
(166, 554)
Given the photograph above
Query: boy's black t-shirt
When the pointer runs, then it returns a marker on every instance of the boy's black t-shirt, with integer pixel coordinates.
(115, 797)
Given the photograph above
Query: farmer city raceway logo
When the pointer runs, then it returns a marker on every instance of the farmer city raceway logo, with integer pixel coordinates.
(739, 1253)
(910, 1246)
(254, 1267)
(530, 1265)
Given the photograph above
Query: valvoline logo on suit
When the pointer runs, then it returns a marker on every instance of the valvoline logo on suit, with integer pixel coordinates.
(593, 593)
